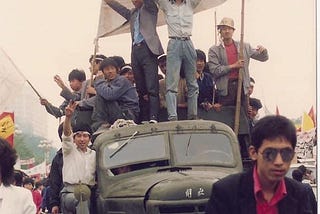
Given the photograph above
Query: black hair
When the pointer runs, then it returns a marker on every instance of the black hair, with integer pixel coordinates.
(303, 169)
(77, 74)
(272, 127)
(98, 58)
(108, 62)
(297, 175)
(201, 55)
(119, 60)
(38, 184)
(18, 177)
(28, 180)
(8, 157)
(125, 68)
(76, 127)
(255, 103)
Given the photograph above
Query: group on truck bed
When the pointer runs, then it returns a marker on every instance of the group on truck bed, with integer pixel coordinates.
(190, 88)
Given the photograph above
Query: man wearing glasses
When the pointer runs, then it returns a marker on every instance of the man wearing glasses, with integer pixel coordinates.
(264, 189)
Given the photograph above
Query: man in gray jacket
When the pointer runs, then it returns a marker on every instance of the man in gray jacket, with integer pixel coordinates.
(146, 47)
(224, 63)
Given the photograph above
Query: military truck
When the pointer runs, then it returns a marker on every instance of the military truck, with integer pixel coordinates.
(168, 167)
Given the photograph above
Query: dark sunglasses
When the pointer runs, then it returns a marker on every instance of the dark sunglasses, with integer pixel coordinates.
(270, 154)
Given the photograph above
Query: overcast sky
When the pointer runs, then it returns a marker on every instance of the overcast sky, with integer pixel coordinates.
(45, 38)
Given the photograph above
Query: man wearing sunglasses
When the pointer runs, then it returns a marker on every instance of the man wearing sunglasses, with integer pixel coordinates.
(264, 189)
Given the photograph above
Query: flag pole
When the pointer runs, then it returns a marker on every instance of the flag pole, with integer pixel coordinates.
(215, 43)
(93, 61)
(25, 78)
(215, 28)
(240, 78)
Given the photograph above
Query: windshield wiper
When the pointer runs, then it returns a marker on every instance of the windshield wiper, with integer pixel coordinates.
(189, 141)
(175, 168)
(123, 145)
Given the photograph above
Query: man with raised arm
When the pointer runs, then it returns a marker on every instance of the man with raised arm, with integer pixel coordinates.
(79, 163)
(180, 52)
(146, 47)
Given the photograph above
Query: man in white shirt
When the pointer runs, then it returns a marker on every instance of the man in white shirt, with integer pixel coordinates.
(79, 163)
(13, 199)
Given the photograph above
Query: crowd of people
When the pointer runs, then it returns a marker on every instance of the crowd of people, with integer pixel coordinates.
(191, 82)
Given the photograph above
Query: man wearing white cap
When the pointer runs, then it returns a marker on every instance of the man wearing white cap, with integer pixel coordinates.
(224, 63)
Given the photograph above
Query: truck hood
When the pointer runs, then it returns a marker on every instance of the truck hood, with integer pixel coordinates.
(172, 184)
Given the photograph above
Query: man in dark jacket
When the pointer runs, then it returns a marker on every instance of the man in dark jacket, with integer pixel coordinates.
(146, 47)
(55, 182)
(264, 189)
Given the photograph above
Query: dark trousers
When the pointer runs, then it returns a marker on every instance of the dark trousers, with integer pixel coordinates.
(108, 112)
(231, 98)
(145, 69)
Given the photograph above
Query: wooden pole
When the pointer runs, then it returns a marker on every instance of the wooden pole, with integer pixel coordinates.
(215, 28)
(93, 61)
(215, 43)
(25, 78)
(240, 78)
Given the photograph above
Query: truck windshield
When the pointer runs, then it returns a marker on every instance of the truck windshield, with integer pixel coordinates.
(140, 149)
(211, 149)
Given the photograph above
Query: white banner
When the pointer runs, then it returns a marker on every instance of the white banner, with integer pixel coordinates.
(111, 23)
(38, 169)
(11, 80)
(27, 162)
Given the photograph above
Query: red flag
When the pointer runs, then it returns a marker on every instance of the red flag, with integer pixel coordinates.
(7, 126)
(277, 110)
(312, 115)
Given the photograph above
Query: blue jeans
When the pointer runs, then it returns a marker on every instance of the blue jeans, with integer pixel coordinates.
(181, 53)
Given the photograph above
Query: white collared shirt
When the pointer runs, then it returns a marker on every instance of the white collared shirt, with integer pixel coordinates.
(77, 165)
(16, 200)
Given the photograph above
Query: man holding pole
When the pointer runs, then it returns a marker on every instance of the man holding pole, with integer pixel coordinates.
(225, 63)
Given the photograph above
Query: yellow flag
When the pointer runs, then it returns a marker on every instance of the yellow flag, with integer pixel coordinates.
(307, 122)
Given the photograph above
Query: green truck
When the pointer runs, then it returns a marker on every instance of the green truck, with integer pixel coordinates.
(168, 167)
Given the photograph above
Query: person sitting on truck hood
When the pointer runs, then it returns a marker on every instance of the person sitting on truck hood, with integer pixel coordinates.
(79, 163)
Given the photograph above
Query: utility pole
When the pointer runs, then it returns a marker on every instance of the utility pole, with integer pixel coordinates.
(46, 146)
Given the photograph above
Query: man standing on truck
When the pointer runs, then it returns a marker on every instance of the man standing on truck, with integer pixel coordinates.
(79, 164)
(224, 64)
(180, 53)
(146, 47)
